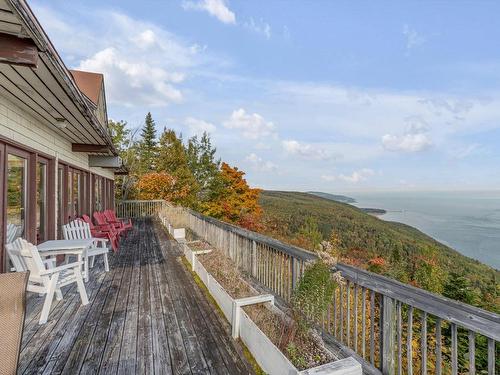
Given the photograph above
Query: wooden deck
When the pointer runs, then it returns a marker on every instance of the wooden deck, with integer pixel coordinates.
(146, 315)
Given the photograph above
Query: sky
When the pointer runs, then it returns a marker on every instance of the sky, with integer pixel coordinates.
(304, 95)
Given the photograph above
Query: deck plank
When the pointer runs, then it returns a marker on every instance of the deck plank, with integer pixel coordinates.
(144, 334)
(111, 355)
(147, 315)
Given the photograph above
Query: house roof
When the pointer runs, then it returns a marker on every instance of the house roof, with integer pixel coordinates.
(48, 90)
(89, 83)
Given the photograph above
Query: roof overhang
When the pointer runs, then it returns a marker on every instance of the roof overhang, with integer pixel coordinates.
(105, 161)
(46, 90)
(110, 162)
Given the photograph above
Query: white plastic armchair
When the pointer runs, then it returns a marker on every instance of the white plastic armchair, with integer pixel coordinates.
(78, 229)
(47, 280)
(13, 232)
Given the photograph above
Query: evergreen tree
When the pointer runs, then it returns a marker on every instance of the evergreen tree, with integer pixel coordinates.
(147, 148)
(123, 140)
(205, 167)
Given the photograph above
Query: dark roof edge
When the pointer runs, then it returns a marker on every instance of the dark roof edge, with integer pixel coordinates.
(40, 38)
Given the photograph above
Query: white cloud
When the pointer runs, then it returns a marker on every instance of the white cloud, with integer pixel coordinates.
(305, 150)
(197, 126)
(148, 84)
(413, 38)
(259, 27)
(406, 142)
(414, 139)
(357, 176)
(259, 164)
(328, 177)
(143, 64)
(252, 126)
(354, 178)
(216, 8)
(464, 151)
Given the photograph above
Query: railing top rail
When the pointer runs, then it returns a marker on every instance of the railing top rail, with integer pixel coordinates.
(141, 201)
(294, 251)
(478, 320)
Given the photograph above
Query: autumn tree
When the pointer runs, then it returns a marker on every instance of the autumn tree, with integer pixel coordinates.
(160, 185)
(173, 159)
(147, 147)
(237, 202)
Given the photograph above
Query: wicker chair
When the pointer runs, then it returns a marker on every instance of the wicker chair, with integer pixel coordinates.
(12, 311)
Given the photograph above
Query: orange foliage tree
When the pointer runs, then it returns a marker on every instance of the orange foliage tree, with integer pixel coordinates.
(237, 202)
(161, 185)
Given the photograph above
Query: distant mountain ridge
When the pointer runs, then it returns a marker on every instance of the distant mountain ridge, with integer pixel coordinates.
(333, 197)
(348, 200)
(406, 254)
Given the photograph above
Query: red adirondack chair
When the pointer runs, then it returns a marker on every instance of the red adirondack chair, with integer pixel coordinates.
(101, 220)
(125, 224)
(102, 231)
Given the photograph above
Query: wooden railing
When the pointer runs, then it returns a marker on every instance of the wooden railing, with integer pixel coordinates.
(139, 208)
(391, 327)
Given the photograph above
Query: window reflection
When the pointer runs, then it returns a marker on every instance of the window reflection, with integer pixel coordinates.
(16, 197)
(76, 194)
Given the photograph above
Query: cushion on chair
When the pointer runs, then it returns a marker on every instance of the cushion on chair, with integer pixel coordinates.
(12, 311)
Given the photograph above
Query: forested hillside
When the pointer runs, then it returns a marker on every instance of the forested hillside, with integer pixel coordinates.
(392, 249)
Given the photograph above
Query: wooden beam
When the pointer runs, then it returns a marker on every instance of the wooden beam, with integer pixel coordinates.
(18, 51)
(83, 147)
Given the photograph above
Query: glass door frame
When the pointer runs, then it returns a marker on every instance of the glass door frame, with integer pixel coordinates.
(47, 189)
(3, 214)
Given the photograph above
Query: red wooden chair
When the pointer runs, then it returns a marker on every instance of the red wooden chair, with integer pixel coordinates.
(111, 218)
(103, 231)
(101, 220)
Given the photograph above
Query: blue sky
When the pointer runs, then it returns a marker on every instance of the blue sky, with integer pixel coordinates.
(305, 95)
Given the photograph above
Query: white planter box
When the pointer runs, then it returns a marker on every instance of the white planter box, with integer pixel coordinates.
(267, 355)
(179, 233)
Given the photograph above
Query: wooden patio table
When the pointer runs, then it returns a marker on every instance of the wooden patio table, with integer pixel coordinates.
(68, 247)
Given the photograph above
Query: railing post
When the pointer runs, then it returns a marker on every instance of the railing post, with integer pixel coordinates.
(294, 273)
(388, 331)
(254, 259)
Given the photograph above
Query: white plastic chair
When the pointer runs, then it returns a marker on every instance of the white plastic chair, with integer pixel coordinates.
(78, 229)
(12, 232)
(17, 261)
(47, 280)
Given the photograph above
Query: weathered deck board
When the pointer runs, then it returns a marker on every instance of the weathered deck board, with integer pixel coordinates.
(147, 315)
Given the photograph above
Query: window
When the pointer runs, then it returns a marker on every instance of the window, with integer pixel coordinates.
(41, 201)
(17, 167)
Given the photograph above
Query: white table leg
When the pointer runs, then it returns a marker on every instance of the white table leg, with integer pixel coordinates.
(86, 265)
